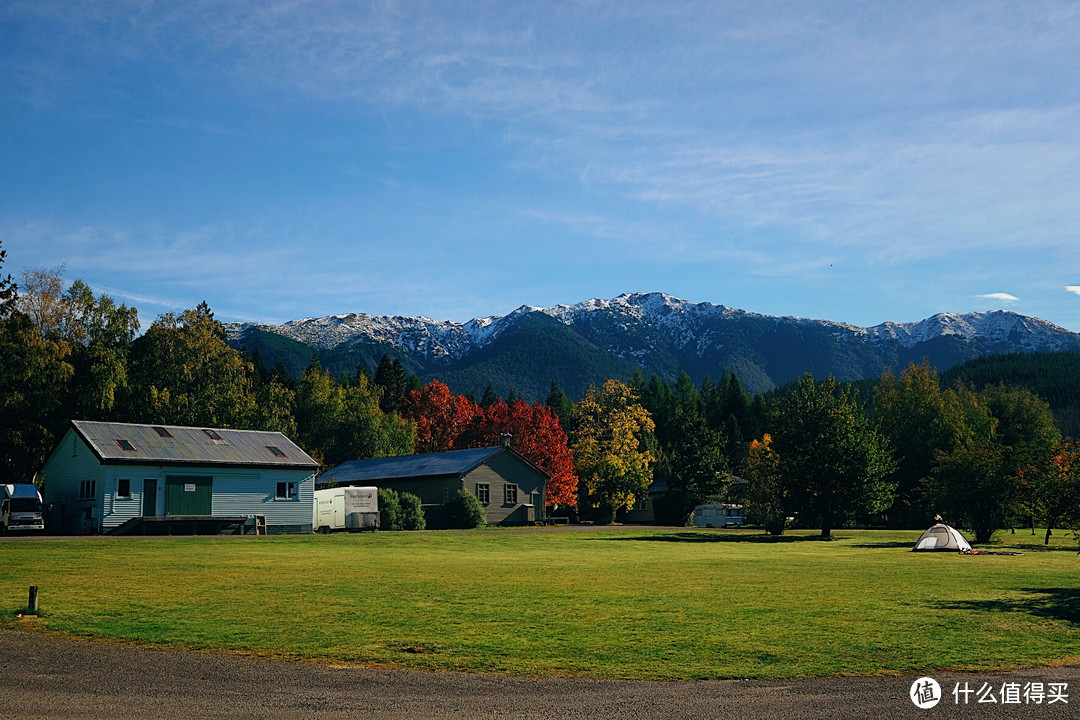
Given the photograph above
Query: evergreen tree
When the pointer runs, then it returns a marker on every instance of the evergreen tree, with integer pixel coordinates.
(560, 404)
(391, 377)
(489, 397)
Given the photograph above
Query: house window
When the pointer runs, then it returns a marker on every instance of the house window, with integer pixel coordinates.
(126, 445)
(483, 493)
(87, 489)
(123, 488)
(510, 494)
(277, 451)
(162, 432)
(286, 491)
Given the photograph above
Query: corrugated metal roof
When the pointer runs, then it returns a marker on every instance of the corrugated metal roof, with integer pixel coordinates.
(172, 444)
(453, 462)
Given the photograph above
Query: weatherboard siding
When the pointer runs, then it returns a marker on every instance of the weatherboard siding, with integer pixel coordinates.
(496, 473)
(236, 491)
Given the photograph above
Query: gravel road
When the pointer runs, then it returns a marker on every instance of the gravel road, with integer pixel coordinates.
(47, 677)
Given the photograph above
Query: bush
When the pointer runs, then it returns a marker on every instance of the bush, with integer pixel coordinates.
(389, 510)
(465, 512)
(411, 514)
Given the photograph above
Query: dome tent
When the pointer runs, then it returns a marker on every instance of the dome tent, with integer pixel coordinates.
(942, 538)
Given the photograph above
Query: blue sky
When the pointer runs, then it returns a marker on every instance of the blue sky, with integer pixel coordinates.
(851, 161)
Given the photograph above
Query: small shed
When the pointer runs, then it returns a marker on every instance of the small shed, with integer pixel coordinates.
(510, 488)
(106, 477)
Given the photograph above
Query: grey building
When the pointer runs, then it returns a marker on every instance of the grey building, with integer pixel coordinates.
(510, 488)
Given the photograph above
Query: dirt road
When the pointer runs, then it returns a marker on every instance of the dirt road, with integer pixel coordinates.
(44, 677)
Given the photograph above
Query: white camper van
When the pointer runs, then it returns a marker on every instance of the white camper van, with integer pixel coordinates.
(20, 509)
(718, 515)
(346, 508)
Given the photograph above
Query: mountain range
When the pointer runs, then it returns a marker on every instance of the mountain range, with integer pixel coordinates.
(597, 339)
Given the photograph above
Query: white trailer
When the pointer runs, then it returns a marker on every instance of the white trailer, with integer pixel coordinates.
(346, 508)
(718, 515)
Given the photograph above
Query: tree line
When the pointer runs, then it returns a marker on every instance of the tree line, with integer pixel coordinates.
(818, 453)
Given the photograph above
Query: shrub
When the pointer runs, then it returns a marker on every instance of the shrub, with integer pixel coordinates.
(389, 510)
(411, 514)
(464, 511)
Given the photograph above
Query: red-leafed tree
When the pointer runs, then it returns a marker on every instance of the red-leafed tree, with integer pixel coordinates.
(440, 416)
(536, 434)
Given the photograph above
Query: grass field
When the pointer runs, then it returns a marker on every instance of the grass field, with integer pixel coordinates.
(608, 603)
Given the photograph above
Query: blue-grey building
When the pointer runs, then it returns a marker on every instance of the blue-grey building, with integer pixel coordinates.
(106, 476)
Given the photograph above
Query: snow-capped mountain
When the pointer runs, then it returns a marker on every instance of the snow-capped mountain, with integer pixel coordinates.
(654, 331)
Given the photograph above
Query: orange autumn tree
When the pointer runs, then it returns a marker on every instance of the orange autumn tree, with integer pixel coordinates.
(536, 434)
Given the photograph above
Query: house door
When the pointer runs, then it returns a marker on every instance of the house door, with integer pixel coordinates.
(188, 495)
(149, 497)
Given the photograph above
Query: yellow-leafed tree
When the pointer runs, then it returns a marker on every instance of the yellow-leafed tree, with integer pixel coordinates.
(612, 440)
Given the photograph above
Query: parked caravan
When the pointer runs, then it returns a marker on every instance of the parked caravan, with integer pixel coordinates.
(20, 509)
(718, 515)
(346, 508)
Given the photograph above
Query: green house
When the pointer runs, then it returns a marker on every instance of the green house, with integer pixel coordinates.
(510, 488)
(105, 477)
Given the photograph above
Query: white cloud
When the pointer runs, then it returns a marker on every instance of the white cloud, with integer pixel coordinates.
(1006, 297)
(1073, 289)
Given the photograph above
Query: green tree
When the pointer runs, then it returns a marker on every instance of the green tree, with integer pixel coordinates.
(101, 334)
(767, 495)
(337, 423)
(692, 456)
(610, 445)
(834, 463)
(183, 372)
(35, 377)
(9, 291)
(910, 412)
(393, 380)
(1003, 447)
(559, 403)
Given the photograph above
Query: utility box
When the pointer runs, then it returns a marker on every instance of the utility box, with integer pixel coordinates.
(346, 508)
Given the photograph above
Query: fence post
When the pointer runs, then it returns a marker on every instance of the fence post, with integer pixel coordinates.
(31, 605)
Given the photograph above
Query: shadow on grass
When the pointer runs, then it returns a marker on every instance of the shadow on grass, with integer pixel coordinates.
(1052, 603)
(890, 545)
(705, 537)
(1039, 547)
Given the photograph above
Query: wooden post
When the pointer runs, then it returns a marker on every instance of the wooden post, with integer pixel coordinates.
(31, 605)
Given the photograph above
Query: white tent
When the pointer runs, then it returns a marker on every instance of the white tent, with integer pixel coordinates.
(941, 537)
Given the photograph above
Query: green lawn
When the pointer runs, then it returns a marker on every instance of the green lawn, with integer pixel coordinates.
(611, 603)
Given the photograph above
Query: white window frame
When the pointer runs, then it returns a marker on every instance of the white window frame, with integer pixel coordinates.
(292, 491)
(120, 495)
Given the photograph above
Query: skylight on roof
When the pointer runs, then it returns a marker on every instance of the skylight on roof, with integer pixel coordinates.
(277, 451)
(125, 445)
(212, 434)
(163, 432)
